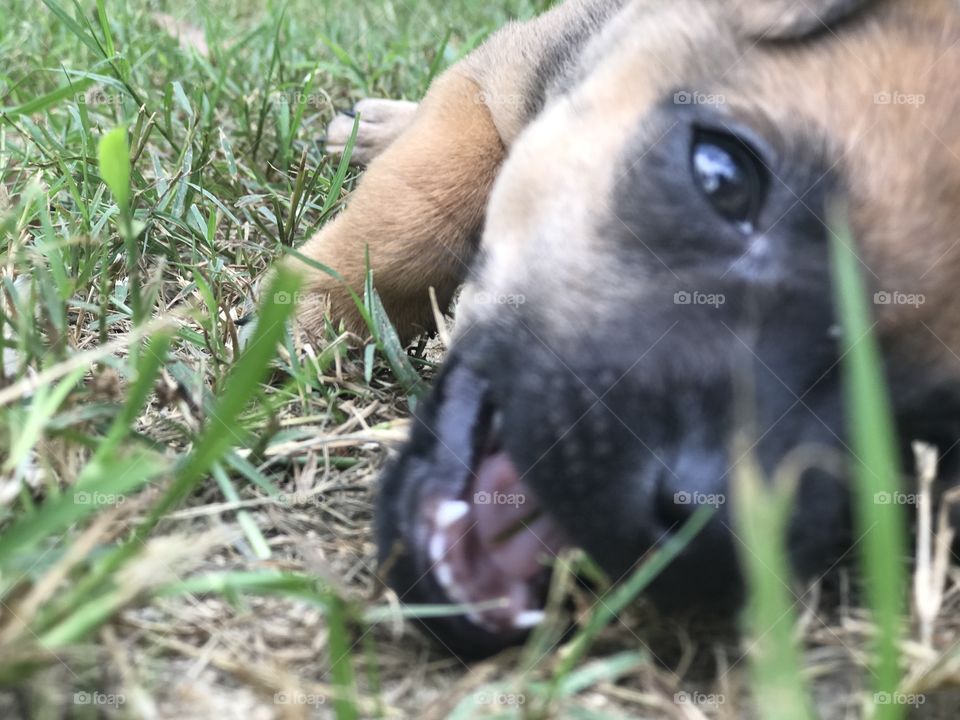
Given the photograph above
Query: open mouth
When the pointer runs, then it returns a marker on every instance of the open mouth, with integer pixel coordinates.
(485, 539)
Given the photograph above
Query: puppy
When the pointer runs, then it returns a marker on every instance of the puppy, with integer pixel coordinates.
(634, 193)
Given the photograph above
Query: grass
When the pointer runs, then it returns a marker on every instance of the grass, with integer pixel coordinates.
(875, 464)
(185, 517)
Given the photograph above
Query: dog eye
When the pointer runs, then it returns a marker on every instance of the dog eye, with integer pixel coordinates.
(730, 175)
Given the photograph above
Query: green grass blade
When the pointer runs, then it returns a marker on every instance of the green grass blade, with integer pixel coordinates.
(47, 101)
(340, 648)
(114, 156)
(876, 465)
(762, 517)
(241, 387)
(104, 483)
(393, 350)
(336, 185)
(219, 434)
(105, 28)
(259, 544)
(614, 602)
(75, 28)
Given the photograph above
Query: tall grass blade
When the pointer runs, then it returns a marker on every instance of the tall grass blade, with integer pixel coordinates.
(875, 463)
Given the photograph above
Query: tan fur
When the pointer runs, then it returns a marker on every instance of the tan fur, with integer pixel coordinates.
(419, 208)
(418, 211)
(541, 240)
(422, 203)
(902, 158)
(504, 65)
(769, 19)
(902, 161)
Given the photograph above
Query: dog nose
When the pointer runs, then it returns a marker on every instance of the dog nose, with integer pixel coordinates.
(694, 481)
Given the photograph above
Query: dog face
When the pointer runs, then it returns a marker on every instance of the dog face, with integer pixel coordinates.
(654, 283)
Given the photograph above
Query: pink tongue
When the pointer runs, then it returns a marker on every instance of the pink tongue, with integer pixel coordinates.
(513, 534)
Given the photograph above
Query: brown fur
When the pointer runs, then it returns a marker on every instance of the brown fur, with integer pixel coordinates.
(902, 160)
(421, 205)
(419, 211)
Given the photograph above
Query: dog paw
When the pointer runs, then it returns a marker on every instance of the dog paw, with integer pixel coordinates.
(381, 122)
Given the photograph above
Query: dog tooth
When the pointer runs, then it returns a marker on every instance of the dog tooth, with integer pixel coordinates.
(444, 575)
(496, 424)
(449, 511)
(529, 619)
(438, 547)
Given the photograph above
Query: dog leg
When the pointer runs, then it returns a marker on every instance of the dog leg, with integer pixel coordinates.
(381, 122)
(419, 208)
(418, 211)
